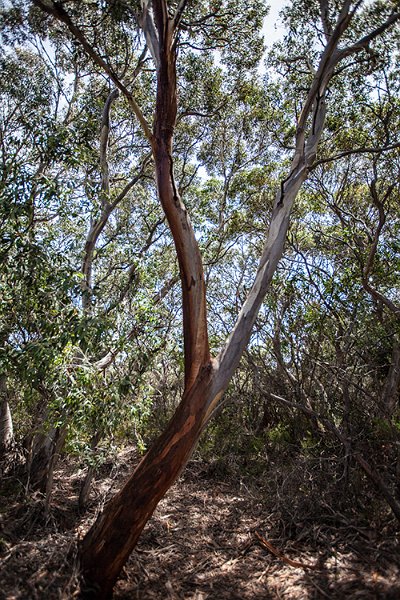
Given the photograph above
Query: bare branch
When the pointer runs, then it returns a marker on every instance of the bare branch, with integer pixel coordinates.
(110, 357)
(133, 271)
(179, 12)
(340, 155)
(147, 24)
(56, 10)
(95, 231)
(324, 6)
(373, 250)
(104, 136)
(381, 298)
(306, 148)
(363, 43)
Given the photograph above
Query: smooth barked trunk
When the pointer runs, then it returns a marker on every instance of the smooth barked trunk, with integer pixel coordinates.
(108, 544)
(106, 547)
(6, 424)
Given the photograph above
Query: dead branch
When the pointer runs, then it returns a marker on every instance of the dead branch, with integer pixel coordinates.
(282, 557)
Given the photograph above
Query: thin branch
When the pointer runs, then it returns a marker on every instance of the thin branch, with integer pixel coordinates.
(110, 357)
(373, 250)
(131, 183)
(281, 556)
(381, 298)
(363, 42)
(104, 137)
(179, 13)
(340, 155)
(56, 10)
(324, 7)
(133, 270)
(97, 228)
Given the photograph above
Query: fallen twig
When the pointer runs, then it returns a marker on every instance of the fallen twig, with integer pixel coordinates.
(278, 554)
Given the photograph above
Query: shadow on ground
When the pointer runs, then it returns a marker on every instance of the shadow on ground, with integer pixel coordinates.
(200, 544)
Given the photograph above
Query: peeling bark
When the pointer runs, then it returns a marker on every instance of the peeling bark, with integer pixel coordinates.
(110, 541)
(188, 253)
(107, 545)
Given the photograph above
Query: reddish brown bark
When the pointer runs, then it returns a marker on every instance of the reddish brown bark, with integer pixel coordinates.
(106, 547)
(188, 253)
(108, 544)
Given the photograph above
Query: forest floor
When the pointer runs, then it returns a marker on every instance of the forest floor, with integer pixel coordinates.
(205, 541)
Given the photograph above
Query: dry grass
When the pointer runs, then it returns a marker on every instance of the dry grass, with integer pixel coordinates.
(200, 544)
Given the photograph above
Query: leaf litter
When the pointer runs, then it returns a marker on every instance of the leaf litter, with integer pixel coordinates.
(211, 538)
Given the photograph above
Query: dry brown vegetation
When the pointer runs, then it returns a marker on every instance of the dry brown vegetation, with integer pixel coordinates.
(202, 543)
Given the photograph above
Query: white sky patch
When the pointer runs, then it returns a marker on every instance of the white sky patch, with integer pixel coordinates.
(273, 29)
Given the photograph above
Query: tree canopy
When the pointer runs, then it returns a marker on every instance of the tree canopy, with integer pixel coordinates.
(147, 144)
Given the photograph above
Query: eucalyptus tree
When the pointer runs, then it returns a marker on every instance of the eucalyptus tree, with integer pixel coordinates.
(54, 180)
(149, 52)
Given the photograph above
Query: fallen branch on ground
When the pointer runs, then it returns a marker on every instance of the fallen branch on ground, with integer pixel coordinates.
(278, 554)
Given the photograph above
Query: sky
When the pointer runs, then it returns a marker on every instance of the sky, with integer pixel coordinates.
(272, 26)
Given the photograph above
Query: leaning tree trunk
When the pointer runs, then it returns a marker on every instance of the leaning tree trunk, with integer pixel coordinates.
(108, 544)
(44, 453)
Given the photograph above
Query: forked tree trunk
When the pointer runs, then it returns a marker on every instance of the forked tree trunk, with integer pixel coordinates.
(107, 545)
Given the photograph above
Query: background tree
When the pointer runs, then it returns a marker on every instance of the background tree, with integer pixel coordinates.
(250, 140)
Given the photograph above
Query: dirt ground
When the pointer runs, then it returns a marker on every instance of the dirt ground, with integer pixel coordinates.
(205, 541)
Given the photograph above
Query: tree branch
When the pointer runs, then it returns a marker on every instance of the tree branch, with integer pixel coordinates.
(104, 137)
(306, 148)
(373, 250)
(147, 24)
(363, 42)
(56, 10)
(180, 9)
(132, 273)
(95, 231)
(340, 155)
(110, 357)
(196, 347)
(324, 8)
